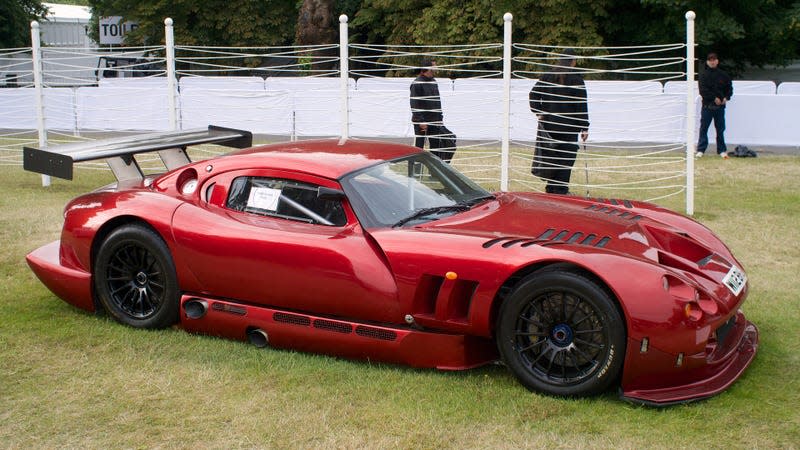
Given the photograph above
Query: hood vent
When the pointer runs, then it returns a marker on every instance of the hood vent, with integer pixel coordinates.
(550, 236)
(681, 245)
(612, 211)
(612, 201)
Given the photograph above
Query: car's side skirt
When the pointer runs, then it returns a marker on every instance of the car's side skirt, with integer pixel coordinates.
(265, 326)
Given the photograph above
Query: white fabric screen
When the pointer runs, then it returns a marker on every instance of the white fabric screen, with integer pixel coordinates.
(473, 109)
(118, 109)
(317, 112)
(18, 109)
(380, 114)
(789, 88)
(256, 111)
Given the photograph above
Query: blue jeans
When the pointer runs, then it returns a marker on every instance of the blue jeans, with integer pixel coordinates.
(706, 115)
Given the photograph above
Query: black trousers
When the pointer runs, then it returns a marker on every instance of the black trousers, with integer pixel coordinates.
(440, 140)
(561, 158)
(706, 116)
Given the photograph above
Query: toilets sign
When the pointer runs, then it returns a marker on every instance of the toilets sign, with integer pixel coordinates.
(112, 31)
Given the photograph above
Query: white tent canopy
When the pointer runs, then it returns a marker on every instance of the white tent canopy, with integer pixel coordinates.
(66, 26)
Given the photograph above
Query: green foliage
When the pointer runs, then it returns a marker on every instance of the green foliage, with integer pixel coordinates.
(457, 22)
(15, 21)
(210, 23)
(755, 32)
(419, 22)
(70, 2)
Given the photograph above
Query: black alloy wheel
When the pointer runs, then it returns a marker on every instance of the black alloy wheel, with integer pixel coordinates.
(135, 278)
(561, 334)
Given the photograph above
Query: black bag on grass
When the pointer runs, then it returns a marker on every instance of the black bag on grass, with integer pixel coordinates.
(741, 151)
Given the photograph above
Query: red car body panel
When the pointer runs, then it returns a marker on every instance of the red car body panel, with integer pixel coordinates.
(72, 285)
(426, 295)
(298, 331)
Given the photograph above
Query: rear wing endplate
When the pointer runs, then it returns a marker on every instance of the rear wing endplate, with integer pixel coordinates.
(119, 152)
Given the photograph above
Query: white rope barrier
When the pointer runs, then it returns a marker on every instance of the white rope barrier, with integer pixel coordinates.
(311, 60)
(636, 135)
(624, 96)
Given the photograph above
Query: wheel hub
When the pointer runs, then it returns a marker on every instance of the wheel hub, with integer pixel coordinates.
(561, 335)
(141, 278)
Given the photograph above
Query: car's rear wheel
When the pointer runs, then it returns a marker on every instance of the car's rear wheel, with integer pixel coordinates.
(561, 334)
(135, 278)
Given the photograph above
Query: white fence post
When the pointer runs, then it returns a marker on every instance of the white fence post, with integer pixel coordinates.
(169, 41)
(344, 71)
(691, 142)
(36, 51)
(504, 152)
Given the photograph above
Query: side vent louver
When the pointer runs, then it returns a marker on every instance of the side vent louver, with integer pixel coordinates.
(376, 333)
(335, 326)
(330, 325)
(295, 319)
(224, 307)
(550, 236)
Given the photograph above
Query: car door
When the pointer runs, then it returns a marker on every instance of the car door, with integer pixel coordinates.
(265, 237)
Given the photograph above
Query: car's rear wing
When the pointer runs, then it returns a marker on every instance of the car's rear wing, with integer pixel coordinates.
(119, 152)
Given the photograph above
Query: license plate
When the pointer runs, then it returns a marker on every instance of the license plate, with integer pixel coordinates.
(735, 280)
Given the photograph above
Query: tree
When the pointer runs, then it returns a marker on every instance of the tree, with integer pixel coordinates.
(210, 23)
(453, 22)
(15, 21)
(744, 32)
(418, 22)
(753, 32)
(316, 26)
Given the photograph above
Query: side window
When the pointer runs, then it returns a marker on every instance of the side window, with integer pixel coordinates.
(285, 199)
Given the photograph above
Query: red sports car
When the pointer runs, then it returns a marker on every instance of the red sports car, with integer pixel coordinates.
(381, 251)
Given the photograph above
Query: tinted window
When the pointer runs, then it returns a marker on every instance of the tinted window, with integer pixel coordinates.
(285, 199)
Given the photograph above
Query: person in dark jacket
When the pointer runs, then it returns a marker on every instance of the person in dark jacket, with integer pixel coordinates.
(426, 114)
(716, 89)
(559, 101)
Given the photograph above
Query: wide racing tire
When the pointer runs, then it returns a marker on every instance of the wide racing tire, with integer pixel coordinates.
(561, 334)
(135, 278)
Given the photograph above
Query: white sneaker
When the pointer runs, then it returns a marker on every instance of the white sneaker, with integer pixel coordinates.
(723, 155)
(698, 155)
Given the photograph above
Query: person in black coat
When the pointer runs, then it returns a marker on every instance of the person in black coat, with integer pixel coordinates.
(716, 89)
(426, 114)
(559, 101)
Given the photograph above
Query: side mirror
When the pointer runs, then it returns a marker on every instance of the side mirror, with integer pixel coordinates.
(325, 193)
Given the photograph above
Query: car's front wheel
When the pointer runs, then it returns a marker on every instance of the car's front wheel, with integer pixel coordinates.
(135, 278)
(560, 333)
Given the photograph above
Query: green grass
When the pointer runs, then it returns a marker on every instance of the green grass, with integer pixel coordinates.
(71, 379)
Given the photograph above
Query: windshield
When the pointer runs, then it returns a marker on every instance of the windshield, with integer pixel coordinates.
(410, 190)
